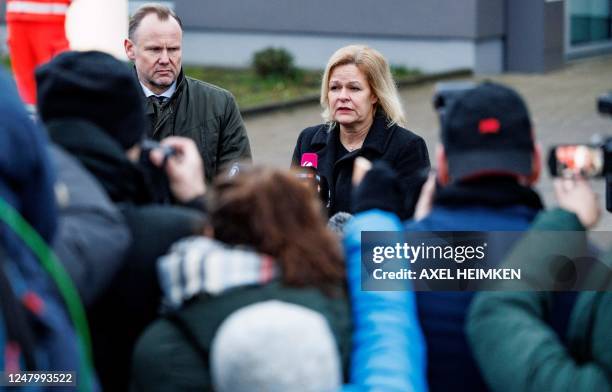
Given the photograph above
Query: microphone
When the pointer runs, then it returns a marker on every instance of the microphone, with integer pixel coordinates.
(338, 222)
(309, 165)
(310, 159)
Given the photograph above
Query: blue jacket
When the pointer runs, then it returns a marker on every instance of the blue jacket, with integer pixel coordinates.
(388, 349)
(26, 184)
(451, 365)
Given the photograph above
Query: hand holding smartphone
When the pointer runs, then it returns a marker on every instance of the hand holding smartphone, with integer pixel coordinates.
(576, 160)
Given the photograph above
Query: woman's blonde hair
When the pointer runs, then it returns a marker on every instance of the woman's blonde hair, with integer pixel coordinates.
(376, 70)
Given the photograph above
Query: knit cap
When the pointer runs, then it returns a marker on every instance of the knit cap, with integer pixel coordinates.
(96, 87)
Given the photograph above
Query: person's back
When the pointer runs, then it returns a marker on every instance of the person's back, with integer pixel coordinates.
(92, 108)
(487, 161)
(92, 235)
(35, 330)
(515, 327)
(257, 349)
(443, 314)
(275, 247)
(183, 362)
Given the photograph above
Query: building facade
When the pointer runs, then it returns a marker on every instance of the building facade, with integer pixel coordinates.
(486, 36)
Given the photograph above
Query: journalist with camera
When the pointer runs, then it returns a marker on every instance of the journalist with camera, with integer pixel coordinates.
(93, 108)
(487, 161)
(573, 352)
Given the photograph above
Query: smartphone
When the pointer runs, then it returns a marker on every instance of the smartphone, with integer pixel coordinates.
(571, 160)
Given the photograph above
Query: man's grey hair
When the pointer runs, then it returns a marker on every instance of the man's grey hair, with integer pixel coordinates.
(162, 12)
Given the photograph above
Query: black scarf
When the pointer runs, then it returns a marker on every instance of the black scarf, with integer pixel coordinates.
(489, 191)
(104, 158)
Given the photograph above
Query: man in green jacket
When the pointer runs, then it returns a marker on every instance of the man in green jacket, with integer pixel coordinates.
(179, 105)
(510, 331)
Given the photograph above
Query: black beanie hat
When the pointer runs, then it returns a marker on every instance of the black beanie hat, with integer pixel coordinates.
(96, 87)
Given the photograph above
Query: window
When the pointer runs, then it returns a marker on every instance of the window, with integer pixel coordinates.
(590, 21)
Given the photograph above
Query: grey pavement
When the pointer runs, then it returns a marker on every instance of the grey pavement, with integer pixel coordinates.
(562, 106)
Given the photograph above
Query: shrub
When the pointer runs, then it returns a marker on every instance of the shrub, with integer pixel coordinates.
(274, 62)
(402, 72)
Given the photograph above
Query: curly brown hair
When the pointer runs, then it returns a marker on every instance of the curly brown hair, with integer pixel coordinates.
(276, 214)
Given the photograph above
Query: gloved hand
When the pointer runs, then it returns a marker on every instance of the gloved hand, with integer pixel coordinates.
(379, 189)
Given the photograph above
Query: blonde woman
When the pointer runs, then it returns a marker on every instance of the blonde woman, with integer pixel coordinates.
(363, 117)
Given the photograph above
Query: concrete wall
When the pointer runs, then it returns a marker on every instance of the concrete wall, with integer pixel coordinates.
(490, 20)
(309, 51)
(396, 18)
(432, 35)
(466, 34)
(488, 36)
(534, 35)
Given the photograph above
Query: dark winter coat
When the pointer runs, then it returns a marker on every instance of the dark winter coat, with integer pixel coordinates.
(173, 353)
(512, 338)
(92, 235)
(402, 149)
(487, 205)
(36, 333)
(207, 114)
(178, 365)
(134, 294)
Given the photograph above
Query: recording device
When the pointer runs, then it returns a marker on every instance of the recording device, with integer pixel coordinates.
(310, 159)
(338, 222)
(149, 145)
(604, 104)
(308, 172)
(156, 176)
(586, 160)
(571, 160)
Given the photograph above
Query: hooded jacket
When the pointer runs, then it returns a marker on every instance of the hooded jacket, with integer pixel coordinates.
(227, 279)
(388, 351)
(489, 204)
(92, 235)
(134, 295)
(511, 333)
(26, 185)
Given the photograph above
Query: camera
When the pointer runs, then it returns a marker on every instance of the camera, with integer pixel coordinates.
(604, 104)
(571, 160)
(149, 145)
(156, 176)
(586, 160)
